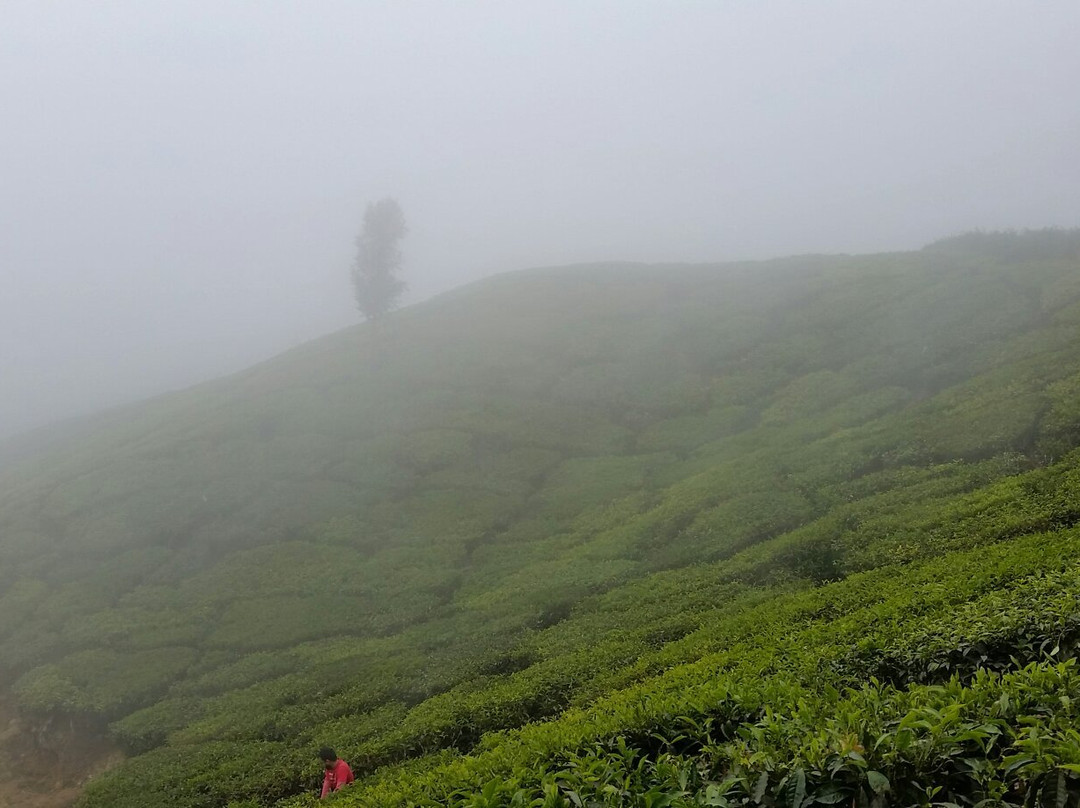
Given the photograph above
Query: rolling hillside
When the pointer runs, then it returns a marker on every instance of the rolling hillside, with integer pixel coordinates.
(783, 532)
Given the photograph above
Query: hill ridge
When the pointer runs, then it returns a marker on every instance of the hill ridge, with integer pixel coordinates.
(542, 490)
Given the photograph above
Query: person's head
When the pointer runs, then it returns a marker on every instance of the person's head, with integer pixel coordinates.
(328, 756)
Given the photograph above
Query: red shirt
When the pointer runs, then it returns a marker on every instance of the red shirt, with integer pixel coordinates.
(340, 775)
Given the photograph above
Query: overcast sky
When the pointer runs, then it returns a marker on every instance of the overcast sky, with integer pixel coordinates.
(181, 183)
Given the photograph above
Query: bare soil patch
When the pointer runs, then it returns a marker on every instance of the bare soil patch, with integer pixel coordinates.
(46, 763)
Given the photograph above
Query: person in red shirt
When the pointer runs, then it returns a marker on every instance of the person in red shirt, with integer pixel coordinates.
(337, 774)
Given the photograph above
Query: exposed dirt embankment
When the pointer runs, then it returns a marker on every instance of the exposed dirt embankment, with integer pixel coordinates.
(44, 763)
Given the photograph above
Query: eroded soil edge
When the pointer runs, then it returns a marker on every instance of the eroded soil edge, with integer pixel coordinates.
(44, 763)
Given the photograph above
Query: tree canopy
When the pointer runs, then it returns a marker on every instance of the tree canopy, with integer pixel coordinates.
(378, 259)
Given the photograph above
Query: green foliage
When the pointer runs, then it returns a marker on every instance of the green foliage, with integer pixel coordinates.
(717, 726)
(800, 532)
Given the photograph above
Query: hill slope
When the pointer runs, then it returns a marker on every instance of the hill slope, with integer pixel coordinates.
(615, 494)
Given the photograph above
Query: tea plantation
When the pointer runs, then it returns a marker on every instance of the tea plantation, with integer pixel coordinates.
(800, 532)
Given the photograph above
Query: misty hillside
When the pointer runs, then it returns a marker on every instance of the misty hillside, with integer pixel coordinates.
(585, 534)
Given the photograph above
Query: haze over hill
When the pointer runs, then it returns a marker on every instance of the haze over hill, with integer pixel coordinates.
(666, 521)
(600, 518)
(180, 186)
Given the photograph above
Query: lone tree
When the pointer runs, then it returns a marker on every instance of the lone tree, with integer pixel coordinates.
(378, 259)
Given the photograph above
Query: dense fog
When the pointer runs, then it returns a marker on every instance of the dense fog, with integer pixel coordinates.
(181, 185)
